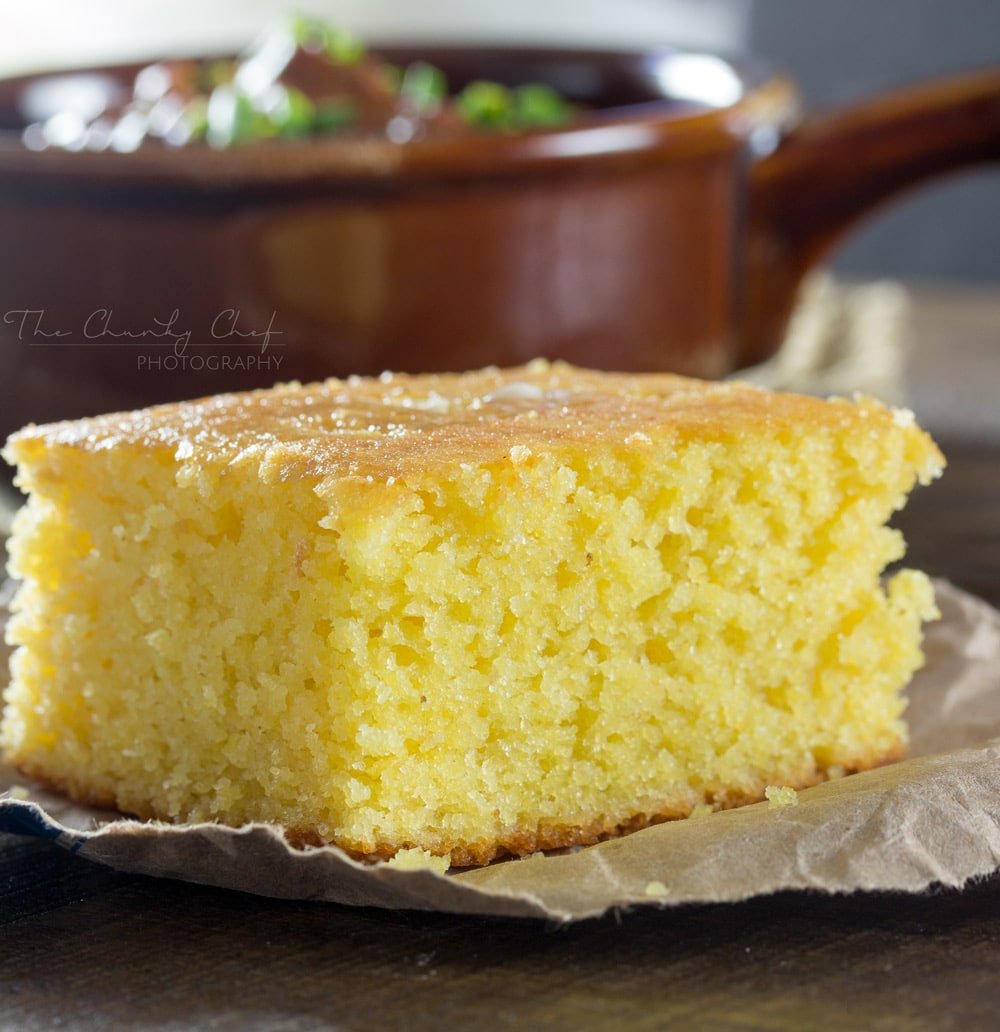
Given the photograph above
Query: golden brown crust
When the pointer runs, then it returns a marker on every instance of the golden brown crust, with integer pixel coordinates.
(397, 426)
(514, 842)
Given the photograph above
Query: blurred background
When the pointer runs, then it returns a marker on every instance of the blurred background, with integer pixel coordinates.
(838, 51)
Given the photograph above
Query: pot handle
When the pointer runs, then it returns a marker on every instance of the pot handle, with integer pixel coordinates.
(834, 168)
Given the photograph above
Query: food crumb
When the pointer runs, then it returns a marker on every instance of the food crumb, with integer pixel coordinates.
(517, 390)
(638, 437)
(701, 810)
(657, 889)
(419, 860)
(18, 792)
(777, 797)
(519, 453)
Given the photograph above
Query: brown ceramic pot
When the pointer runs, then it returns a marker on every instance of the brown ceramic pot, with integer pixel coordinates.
(668, 230)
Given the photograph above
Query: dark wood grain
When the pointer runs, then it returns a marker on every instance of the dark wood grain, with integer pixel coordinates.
(953, 528)
(97, 949)
(85, 947)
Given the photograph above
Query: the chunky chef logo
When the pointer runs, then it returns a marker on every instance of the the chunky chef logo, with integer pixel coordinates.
(166, 343)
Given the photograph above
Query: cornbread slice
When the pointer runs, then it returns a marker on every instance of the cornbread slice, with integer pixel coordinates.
(471, 615)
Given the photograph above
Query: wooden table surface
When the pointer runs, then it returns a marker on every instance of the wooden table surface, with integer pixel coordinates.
(82, 946)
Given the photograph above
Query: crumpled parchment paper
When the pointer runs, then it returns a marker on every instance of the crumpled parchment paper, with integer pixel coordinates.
(932, 818)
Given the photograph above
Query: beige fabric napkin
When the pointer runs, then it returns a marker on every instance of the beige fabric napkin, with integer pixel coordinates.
(841, 339)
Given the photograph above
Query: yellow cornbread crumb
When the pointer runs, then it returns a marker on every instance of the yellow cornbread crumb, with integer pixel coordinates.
(18, 792)
(358, 610)
(778, 797)
(419, 860)
(656, 889)
(701, 810)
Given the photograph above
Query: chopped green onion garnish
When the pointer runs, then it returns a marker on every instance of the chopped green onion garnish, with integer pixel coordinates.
(344, 47)
(537, 106)
(334, 116)
(423, 86)
(296, 116)
(231, 117)
(486, 104)
(494, 106)
(194, 120)
(316, 36)
(308, 33)
(250, 99)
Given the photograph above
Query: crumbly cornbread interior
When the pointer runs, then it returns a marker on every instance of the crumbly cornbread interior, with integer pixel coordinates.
(472, 615)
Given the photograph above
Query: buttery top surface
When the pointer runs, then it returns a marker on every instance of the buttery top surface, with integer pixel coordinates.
(397, 424)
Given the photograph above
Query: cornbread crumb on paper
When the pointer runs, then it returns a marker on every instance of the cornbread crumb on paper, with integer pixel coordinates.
(656, 890)
(701, 810)
(419, 860)
(779, 797)
(638, 438)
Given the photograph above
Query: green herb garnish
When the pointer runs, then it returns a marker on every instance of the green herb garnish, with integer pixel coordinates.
(295, 116)
(334, 116)
(194, 120)
(231, 117)
(487, 104)
(494, 106)
(240, 101)
(308, 33)
(318, 37)
(344, 47)
(537, 106)
(424, 87)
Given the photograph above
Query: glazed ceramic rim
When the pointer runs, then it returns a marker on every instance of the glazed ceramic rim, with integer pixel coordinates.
(767, 101)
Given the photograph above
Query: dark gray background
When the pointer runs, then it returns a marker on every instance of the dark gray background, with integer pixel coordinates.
(843, 50)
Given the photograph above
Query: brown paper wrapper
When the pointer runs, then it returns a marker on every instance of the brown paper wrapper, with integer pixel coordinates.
(932, 818)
